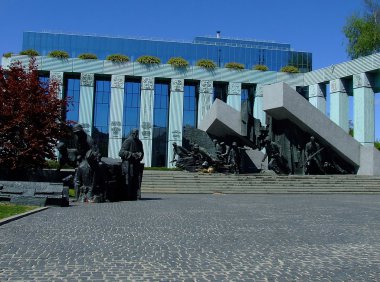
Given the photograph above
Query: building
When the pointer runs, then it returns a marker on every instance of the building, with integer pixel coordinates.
(110, 99)
(220, 50)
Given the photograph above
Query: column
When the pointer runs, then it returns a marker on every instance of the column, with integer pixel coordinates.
(234, 95)
(86, 102)
(116, 116)
(146, 118)
(317, 96)
(57, 76)
(175, 116)
(206, 96)
(258, 105)
(339, 104)
(364, 109)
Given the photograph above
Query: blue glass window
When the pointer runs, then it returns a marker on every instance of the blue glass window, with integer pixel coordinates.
(190, 106)
(160, 124)
(101, 115)
(131, 108)
(72, 93)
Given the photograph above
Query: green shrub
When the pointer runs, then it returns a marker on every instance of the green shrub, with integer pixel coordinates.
(233, 65)
(206, 63)
(377, 144)
(87, 56)
(118, 58)
(59, 54)
(7, 55)
(30, 53)
(53, 164)
(261, 67)
(178, 62)
(148, 60)
(290, 69)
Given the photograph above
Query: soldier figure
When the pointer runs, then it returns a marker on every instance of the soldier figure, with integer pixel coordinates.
(132, 153)
(179, 151)
(234, 158)
(313, 157)
(89, 179)
(83, 142)
(272, 151)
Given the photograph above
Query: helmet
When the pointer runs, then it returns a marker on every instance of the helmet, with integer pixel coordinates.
(77, 127)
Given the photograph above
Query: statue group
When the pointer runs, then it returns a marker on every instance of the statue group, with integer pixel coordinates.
(227, 158)
(100, 179)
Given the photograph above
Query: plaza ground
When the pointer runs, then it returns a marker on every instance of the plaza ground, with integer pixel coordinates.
(199, 238)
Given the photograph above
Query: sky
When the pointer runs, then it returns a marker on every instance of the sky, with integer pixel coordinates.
(308, 25)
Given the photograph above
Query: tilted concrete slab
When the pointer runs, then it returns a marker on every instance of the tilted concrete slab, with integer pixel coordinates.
(283, 102)
(221, 118)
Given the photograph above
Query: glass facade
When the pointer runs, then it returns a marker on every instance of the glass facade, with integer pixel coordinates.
(131, 109)
(247, 95)
(190, 106)
(72, 93)
(100, 130)
(220, 50)
(220, 91)
(160, 124)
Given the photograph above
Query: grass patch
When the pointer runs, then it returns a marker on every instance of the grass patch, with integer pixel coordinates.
(8, 209)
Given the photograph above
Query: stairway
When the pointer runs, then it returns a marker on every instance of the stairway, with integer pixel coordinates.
(180, 182)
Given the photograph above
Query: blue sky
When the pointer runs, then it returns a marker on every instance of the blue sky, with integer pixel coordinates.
(308, 25)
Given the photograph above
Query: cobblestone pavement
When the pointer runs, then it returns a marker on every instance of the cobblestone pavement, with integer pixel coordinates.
(199, 238)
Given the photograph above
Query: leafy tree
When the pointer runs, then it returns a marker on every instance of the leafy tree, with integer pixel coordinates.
(363, 31)
(30, 118)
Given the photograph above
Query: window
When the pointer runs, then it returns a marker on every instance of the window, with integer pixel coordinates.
(101, 115)
(160, 124)
(72, 93)
(190, 106)
(131, 108)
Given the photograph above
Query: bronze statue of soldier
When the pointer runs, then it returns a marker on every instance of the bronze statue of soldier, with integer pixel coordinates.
(132, 153)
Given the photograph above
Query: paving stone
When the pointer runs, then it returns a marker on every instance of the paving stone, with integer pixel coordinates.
(198, 238)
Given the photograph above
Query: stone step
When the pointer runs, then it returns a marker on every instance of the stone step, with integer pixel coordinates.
(185, 183)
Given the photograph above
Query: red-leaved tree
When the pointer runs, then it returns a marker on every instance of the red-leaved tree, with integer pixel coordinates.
(31, 119)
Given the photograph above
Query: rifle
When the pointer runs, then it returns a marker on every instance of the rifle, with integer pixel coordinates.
(310, 157)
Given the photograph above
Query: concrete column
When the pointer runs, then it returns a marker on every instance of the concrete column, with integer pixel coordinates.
(364, 109)
(258, 105)
(57, 76)
(317, 96)
(234, 95)
(86, 102)
(339, 103)
(205, 100)
(116, 116)
(175, 117)
(146, 118)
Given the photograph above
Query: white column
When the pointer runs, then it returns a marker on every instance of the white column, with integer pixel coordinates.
(339, 104)
(57, 76)
(364, 109)
(116, 116)
(258, 105)
(86, 102)
(175, 117)
(317, 96)
(234, 95)
(206, 95)
(146, 118)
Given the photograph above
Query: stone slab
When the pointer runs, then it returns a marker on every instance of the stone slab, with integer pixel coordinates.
(283, 102)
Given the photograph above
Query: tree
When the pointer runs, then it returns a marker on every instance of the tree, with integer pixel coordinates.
(363, 31)
(31, 119)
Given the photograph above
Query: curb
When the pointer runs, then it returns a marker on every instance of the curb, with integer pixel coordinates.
(17, 216)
